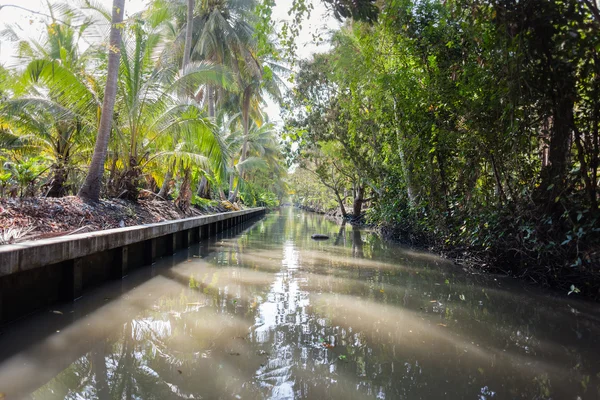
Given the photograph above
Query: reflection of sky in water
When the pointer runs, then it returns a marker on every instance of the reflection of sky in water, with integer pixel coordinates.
(271, 313)
(280, 308)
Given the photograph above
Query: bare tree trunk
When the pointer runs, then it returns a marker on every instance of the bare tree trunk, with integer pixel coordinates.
(90, 190)
(359, 196)
(406, 167)
(553, 176)
(444, 183)
(341, 204)
(498, 179)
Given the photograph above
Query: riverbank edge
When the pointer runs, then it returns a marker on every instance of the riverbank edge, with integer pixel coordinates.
(568, 282)
(36, 218)
(581, 283)
(36, 274)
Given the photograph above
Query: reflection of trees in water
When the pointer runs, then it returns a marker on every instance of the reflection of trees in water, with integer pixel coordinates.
(357, 243)
(340, 239)
(98, 358)
(313, 350)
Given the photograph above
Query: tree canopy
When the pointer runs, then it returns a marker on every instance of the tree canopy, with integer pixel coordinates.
(468, 126)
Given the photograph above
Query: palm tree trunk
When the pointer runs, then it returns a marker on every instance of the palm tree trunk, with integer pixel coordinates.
(245, 121)
(204, 188)
(183, 201)
(210, 96)
(164, 189)
(204, 185)
(90, 190)
(231, 183)
(187, 49)
(59, 177)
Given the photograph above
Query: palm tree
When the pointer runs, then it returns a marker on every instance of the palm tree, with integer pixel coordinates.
(223, 29)
(255, 78)
(166, 104)
(90, 190)
(45, 127)
(156, 111)
(54, 104)
(263, 153)
(187, 49)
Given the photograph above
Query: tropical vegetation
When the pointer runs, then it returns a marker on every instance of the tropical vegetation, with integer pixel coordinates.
(167, 103)
(471, 127)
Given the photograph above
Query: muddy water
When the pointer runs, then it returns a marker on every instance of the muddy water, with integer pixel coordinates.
(266, 312)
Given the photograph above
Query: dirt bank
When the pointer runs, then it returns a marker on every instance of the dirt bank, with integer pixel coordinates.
(38, 218)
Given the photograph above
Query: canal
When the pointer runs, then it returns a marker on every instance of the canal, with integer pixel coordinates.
(263, 311)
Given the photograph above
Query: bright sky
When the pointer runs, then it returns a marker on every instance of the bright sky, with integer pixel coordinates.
(30, 25)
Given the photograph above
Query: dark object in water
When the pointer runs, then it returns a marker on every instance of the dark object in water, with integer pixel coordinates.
(319, 236)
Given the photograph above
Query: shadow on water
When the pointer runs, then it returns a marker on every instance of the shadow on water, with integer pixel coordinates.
(270, 313)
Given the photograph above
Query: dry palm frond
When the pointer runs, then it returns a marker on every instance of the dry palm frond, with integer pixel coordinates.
(10, 235)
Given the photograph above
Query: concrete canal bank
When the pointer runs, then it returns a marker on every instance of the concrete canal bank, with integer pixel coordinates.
(36, 274)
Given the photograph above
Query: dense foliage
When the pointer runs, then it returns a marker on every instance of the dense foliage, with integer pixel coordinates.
(470, 126)
(473, 125)
(188, 94)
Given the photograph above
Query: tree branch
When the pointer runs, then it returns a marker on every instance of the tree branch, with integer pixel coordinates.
(593, 9)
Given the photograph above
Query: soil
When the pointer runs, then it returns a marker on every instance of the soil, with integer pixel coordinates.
(40, 218)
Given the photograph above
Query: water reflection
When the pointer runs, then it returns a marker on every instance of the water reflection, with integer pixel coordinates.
(268, 313)
(357, 243)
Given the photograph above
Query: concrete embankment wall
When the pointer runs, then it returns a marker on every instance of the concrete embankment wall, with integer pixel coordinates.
(36, 274)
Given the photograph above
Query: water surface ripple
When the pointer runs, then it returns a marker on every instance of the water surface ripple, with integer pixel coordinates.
(264, 312)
